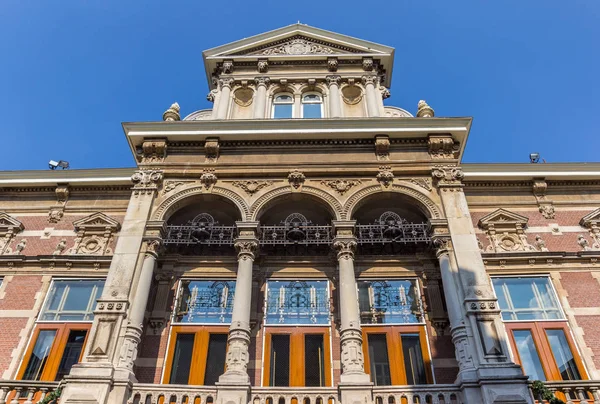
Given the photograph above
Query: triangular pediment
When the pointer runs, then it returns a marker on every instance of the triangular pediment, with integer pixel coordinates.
(9, 224)
(591, 219)
(297, 40)
(97, 222)
(502, 218)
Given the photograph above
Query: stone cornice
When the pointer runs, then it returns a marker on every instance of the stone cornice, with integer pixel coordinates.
(527, 172)
(542, 261)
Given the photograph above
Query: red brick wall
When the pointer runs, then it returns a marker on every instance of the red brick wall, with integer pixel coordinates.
(589, 324)
(20, 293)
(582, 288)
(9, 332)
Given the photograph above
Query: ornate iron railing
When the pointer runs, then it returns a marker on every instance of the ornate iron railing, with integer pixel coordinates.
(391, 228)
(295, 230)
(201, 230)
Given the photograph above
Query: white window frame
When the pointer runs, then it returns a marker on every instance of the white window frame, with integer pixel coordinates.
(275, 103)
(321, 102)
(89, 309)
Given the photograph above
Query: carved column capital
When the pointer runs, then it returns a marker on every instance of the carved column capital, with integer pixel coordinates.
(369, 80)
(442, 245)
(153, 247)
(262, 81)
(447, 176)
(146, 181)
(226, 82)
(333, 79)
(246, 248)
(345, 247)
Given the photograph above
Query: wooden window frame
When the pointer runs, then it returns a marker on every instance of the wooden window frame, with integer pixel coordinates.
(58, 347)
(199, 353)
(395, 352)
(297, 352)
(542, 345)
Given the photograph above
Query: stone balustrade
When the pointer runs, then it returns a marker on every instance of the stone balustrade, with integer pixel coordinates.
(172, 394)
(421, 394)
(25, 391)
(294, 395)
(575, 391)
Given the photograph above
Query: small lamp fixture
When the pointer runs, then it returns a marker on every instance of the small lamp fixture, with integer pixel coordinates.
(61, 163)
(534, 158)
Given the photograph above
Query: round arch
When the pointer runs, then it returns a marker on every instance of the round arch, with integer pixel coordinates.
(264, 202)
(186, 196)
(428, 207)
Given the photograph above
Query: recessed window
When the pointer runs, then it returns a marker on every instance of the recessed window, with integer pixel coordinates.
(389, 302)
(205, 302)
(527, 298)
(283, 106)
(312, 105)
(297, 302)
(72, 300)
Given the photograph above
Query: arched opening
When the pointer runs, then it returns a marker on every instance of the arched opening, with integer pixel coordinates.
(295, 224)
(390, 224)
(283, 106)
(312, 105)
(205, 225)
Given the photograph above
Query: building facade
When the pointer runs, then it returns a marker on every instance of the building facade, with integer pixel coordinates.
(300, 243)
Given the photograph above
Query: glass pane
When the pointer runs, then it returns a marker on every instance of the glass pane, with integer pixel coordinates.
(297, 302)
(284, 99)
(282, 111)
(182, 359)
(413, 359)
(215, 360)
(39, 355)
(311, 98)
(314, 368)
(530, 359)
(78, 296)
(280, 361)
(311, 110)
(71, 353)
(527, 298)
(378, 357)
(56, 295)
(563, 355)
(72, 300)
(208, 302)
(385, 302)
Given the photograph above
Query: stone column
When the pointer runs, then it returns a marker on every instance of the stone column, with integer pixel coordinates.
(372, 107)
(234, 384)
(498, 378)
(213, 96)
(224, 97)
(94, 379)
(133, 332)
(260, 102)
(335, 106)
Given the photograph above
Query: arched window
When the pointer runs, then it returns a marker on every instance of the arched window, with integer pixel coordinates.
(283, 106)
(312, 105)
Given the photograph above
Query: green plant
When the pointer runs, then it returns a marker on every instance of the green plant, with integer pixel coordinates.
(51, 398)
(541, 392)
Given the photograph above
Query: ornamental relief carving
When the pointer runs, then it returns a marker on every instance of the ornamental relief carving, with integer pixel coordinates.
(146, 181)
(505, 231)
(341, 186)
(9, 228)
(252, 186)
(95, 234)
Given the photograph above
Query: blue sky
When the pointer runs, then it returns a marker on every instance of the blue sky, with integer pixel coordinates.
(72, 71)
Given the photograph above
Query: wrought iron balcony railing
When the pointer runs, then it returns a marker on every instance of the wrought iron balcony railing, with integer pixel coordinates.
(391, 228)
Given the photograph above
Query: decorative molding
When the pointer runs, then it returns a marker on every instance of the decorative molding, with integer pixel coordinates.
(211, 149)
(442, 146)
(243, 96)
(424, 183)
(154, 151)
(94, 234)
(332, 64)
(246, 248)
(262, 65)
(56, 212)
(506, 231)
(382, 147)
(208, 179)
(262, 80)
(585, 245)
(385, 92)
(333, 79)
(341, 186)
(591, 221)
(351, 94)
(427, 206)
(227, 67)
(545, 205)
(366, 80)
(298, 46)
(447, 175)
(368, 64)
(252, 186)
(171, 185)
(385, 176)
(296, 178)
(9, 228)
(172, 114)
(345, 248)
(146, 181)
(212, 95)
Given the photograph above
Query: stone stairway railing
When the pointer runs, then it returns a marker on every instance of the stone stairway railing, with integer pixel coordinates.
(24, 391)
(172, 394)
(294, 395)
(421, 394)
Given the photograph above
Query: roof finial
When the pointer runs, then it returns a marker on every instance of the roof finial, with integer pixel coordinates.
(424, 110)
(172, 114)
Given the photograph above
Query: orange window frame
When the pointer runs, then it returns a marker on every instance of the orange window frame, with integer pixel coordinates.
(199, 352)
(58, 347)
(395, 353)
(542, 345)
(297, 368)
